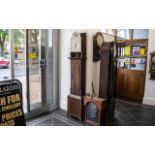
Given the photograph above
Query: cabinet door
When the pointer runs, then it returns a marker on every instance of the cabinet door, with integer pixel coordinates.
(130, 84)
(135, 84)
(120, 84)
(76, 77)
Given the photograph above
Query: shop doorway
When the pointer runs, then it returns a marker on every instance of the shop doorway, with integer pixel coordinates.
(27, 55)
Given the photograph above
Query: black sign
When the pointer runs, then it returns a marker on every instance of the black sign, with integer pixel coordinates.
(11, 104)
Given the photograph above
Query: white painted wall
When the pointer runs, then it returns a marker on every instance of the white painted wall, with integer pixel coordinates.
(149, 96)
(92, 69)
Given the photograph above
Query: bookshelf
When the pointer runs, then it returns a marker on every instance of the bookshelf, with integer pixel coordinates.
(131, 68)
(132, 55)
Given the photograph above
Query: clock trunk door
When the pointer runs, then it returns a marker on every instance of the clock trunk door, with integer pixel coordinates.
(76, 77)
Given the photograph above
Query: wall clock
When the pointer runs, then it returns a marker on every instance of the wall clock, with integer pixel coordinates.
(152, 66)
(98, 41)
(153, 59)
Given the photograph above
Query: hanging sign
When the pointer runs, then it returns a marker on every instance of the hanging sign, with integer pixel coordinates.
(11, 104)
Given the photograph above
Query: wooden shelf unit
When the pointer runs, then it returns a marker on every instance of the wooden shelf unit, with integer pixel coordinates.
(131, 77)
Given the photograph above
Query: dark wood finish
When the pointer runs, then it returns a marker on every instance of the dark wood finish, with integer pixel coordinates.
(152, 66)
(130, 83)
(78, 67)
(75, 106)
(96, 48)
(83, 44)
(78, 80)
(108, 66)
(101, 106)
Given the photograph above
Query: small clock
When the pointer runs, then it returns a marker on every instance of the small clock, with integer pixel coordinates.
(153, 59)
(97, 44)
(99, 39)
(152, 66)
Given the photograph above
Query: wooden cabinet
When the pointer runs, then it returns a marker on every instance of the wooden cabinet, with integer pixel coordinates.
(94, 110)
(132, 59)
(130, 83)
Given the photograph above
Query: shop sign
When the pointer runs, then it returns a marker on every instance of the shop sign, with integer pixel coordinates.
(11, 104)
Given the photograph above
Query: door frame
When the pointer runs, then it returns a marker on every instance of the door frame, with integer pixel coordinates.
(55, 69)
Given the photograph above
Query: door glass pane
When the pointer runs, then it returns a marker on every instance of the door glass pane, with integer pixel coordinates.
(5, 55)
(34, 69)
(20, 61)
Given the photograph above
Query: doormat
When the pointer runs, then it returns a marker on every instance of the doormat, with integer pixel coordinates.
(52, 120)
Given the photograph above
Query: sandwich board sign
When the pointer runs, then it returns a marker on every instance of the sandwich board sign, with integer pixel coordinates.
(11, 104)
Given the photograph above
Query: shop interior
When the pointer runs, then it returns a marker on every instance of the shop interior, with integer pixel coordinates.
(82, 77)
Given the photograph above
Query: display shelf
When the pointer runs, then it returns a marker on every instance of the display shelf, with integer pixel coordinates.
(132, 54)
(131, 68)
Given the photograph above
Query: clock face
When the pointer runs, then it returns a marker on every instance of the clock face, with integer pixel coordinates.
(153, 59)
(100, 40)
(76, 42)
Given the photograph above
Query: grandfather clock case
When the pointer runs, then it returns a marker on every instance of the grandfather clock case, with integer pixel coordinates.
(108, 70)
(78, 80)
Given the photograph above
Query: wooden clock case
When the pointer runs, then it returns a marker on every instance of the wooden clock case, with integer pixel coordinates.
(78, 80)
(100, 110)
(108, 71)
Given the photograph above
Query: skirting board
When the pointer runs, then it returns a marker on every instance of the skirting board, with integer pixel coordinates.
(149, 101)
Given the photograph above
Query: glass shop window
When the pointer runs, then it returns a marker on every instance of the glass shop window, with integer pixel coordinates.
(140, 33)
(123, 33)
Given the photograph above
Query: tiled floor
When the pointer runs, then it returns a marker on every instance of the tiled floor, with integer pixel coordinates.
(133, 114)
(126, 114)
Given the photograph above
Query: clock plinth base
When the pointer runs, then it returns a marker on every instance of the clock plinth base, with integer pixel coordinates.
(75, 106)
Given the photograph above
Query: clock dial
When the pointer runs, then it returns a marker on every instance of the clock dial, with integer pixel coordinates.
(76, 42)
(100, 40)
(153, 59)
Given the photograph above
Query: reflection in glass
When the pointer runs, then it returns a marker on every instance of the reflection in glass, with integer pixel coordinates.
(34, 69)
(19, 53)
(5, 55)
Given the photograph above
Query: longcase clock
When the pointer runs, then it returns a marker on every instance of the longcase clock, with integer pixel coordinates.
(78, 75)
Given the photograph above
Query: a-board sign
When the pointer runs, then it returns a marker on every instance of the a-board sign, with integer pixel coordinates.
(11, 104)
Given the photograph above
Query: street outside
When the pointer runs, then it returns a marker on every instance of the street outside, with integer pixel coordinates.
(20, 70)
(35, 80)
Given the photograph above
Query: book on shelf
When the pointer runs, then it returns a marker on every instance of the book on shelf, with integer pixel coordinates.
(124, 63)
(142, 51)
(124, 51)
(127, 50)
(137, 51)
(137, 64)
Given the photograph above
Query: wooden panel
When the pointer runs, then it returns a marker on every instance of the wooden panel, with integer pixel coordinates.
(76, 77)
(75, 106)
(108, 76)
(104, 72)
(130, 83)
